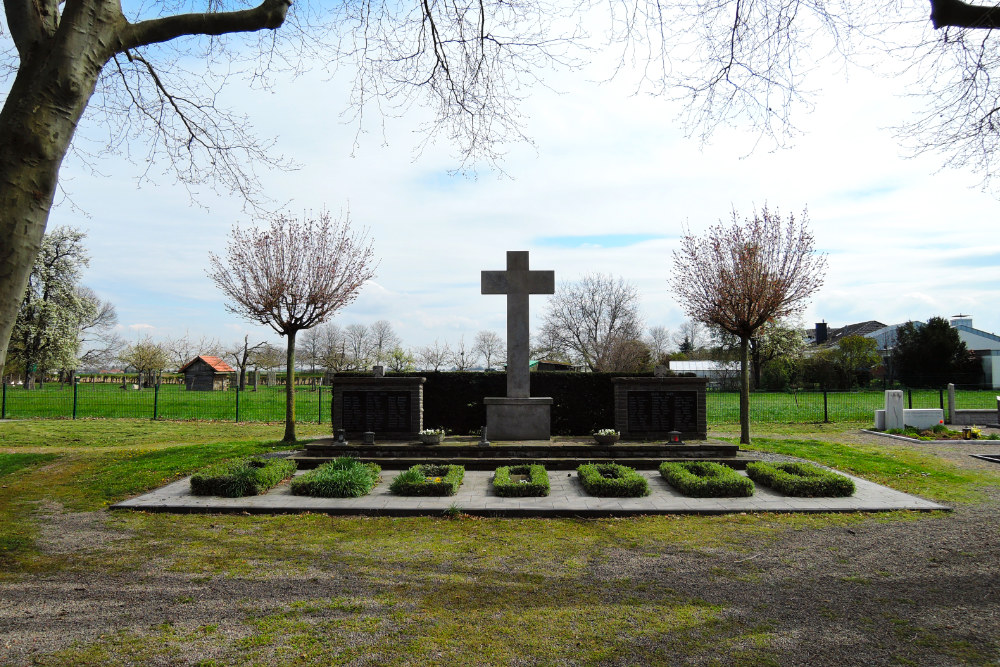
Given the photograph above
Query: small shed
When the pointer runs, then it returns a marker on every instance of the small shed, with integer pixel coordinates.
(206, 373)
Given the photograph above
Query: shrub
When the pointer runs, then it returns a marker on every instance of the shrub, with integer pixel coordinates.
(428, 480)
(241, 477)
(341, 478)
(612, 480)
(800, 479)
(537, 483)
(705, 479)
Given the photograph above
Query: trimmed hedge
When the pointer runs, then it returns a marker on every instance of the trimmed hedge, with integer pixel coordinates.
(800, 479)
(345, 477)
(612, 480)
(537, 483)
(236, 478)
(428, 480)
(706, 479)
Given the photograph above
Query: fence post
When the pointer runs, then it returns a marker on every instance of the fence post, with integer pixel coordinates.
(826, 409)
(941, 398)
(3, 401)
(156, 398)
(237, 404)
(909, 396)
(319, 410)
(76, 386)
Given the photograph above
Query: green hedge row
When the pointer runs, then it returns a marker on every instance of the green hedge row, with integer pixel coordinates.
(612, 480)
(706, 479)
(428, 480)
(582, 402)
(536, 485)
(800, 479)
(241, 477)
(344, 477)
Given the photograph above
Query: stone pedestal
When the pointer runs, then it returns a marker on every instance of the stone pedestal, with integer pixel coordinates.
(518, 418)
(894, 409)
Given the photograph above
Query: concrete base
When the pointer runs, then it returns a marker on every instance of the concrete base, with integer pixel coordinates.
(518, 418)
(917, 418)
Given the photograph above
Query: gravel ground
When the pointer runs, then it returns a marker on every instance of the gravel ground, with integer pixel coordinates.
(924, 591)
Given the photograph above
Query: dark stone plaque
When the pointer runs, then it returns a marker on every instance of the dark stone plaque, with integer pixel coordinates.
(378, 411)
(662, 411)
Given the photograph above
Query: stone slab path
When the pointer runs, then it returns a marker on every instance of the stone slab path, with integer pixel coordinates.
(567, 499)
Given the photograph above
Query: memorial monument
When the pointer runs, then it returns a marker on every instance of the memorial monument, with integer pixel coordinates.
(518, 416)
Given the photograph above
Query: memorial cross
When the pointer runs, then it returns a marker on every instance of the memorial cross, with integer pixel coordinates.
(517, 282)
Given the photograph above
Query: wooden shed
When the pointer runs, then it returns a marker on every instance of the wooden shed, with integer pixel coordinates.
(206, 373)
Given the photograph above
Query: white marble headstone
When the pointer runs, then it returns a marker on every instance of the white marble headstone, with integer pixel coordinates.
(893, 409)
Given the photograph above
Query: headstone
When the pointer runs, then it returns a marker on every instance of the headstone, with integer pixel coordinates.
(256, 379)
(893, 409)
(518, 416)
(272, 378)
(368, 438)
(661, 371)
(951, 404)
(378, 371)
(328, 378)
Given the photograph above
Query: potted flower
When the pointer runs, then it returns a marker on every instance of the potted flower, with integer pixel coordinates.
(606, 436)
(431, 436)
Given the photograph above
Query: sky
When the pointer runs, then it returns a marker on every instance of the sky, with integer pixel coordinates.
(609, 186)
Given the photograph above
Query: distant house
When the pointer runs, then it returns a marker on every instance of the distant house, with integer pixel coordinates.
(720, 374)
(546, 365)
(824, 334)
(206, 373)
(985, 345)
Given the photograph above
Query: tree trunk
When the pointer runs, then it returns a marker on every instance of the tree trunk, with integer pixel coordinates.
(290, 389)
(744, 390)
(39, 117)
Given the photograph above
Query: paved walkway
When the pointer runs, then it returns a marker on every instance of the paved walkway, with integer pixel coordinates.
(567, 498)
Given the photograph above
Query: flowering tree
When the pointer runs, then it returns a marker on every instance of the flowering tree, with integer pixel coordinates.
(291, 276)
(740, 277)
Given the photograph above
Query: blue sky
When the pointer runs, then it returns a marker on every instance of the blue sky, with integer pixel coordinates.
(609, 186)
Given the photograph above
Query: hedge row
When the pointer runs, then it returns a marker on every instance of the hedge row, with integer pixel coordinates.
(344, 477)
(800, 479)
(612, 480)
(241, 477)
(582, 402)
(537, 483)
(705, 479)
(428, 480)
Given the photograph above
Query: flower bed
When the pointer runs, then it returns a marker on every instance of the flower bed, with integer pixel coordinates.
(800, 479)
(534, 482)
(705, 479)
(237, 478)
(941, 432)
(345, 477)
(612, 480)
(428, 480)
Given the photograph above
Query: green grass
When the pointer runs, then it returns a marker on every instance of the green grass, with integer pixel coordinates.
(414, 590)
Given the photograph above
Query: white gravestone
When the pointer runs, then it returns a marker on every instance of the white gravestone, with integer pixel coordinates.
(894, 409)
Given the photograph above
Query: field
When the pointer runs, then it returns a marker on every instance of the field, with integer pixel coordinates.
(172, 401)
(80, 585)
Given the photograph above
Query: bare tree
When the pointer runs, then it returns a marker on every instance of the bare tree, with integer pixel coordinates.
(358, 339)
(434, 356)
(589, 318)
(463, 358)
(401, 360)
(740, 277)
(489, 345)
(691, 337)
(383, 340)
(183, 349)
(98, 341)
(333, 348)
(658, 341)
(268, 357)
(147, 358)
(242, 355)
(292, 276)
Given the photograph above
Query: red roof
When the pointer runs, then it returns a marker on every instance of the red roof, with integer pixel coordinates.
(215, 362)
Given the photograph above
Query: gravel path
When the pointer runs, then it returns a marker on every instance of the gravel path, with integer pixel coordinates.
(912, 591)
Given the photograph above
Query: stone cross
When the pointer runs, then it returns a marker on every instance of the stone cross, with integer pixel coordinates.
(517, 282)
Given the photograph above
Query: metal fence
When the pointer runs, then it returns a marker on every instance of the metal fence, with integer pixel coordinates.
(267, 404)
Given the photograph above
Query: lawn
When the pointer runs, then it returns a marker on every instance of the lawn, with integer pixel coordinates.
(313, 589)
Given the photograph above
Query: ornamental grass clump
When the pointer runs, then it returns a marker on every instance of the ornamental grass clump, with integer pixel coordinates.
(800, 479)
(428, 480)
(531, 480)
(237, 478)
(612, 480)
(706, 479)
(344, 477)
